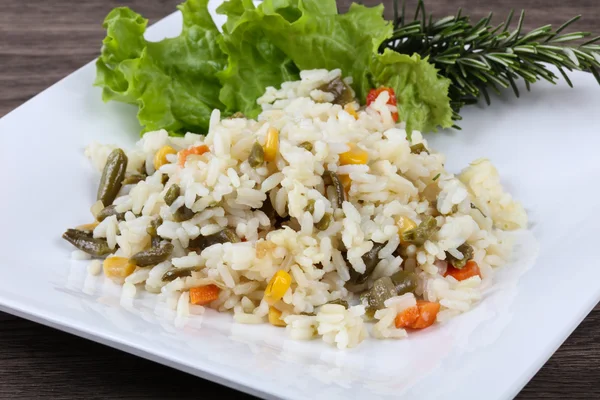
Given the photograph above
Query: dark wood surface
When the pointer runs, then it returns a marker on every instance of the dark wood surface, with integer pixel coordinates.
(43, 41)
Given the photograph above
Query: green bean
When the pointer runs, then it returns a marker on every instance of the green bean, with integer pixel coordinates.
(324, 223)
(371, 259)
(183, 214)
(224, 236)
(383, 289)
(133, 179)
(112, 176)
(85, 242)
(342, 94)
(306, 146)
(331, 178)
(152, 256)
(419, 235)
(172, 194)
(340, 302)
(109, 212)
(257, 156)
(164, 179)
(418, 148)
(152, 230)
(404, 282)
(173, 274)
(310, 207)
(467, 252)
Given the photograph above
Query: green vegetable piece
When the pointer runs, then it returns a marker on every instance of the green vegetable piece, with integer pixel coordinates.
(153, 256)
(306, 146)
(227, 235)
(371, 259)
(133, 179)
(85, 242)
(109, 211)
(383, 289)
(174, 81)
(324, 223)
(339, 89)
(331, 178)
(257, 156)
(173, 274)
(419, 235)
(183, 214)
(310, 206)
(404, 282)
(112, 176)
(172, 194)
(467, 252)
(152, 230)
(418, 148)
(340, 302)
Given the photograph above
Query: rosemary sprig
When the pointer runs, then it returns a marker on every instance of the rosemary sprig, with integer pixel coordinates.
(481, 57)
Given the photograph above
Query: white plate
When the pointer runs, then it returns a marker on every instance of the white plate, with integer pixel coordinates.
(545, 146)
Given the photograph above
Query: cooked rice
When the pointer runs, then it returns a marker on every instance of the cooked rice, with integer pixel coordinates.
(223, 190)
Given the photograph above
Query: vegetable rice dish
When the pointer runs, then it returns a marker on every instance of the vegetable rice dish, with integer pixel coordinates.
(321, 216)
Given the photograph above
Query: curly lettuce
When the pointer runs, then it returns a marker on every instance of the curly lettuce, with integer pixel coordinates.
(173, 82)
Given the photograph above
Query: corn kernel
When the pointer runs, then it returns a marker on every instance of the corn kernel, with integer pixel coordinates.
(349, 108)
(279, 284)
(117, 268)
(271, 144)
(160, 158)
(88, 227)
(355, 155)
(275, 317)
(405, 224)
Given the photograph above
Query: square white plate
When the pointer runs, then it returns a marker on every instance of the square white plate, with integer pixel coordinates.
(545, 146)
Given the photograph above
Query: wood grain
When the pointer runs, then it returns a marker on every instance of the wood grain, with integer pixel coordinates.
(43, 41)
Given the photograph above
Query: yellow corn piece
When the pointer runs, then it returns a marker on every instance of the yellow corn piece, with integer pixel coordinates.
(349, 108)
(279, 284)
(271, 144)
(117, 268)
(355, 155)
(88, 227)
(275, 317)
(160, 158)
(405, 224)
(346, 182)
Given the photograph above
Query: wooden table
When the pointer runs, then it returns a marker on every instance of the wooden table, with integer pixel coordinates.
(43, 41)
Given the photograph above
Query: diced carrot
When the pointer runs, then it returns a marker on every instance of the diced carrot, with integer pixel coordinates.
(202, 295)
(469, 270)
(374, 93)
(418, 317)
(198, 150)
(407, 317)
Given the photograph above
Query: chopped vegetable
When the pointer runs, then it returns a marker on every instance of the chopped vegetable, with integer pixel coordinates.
(306, 146)
(109, 212)
(84, 241)
(172, 194)
(257, 156)
(467, 252)
(342, 93)
(183, 214)
(324, 223)
(419, 235)
(112, 176)
(420, 316)
(405, 224)
(405, 282)
(197, 150)
(331, 178)
(355, 155)
(271, 144)
(152, 256)
(374, 93)
(468, 271)
(371, 259)
(152, 231)
(383, 289)
(339, 301)
(203, 295)
(279, 284)
(160, 157)
(310, 206)
(175, 273)
(275, 317)
(226, 235)
(435, 178)
(133, 179)
(117, 268)
(418, 148)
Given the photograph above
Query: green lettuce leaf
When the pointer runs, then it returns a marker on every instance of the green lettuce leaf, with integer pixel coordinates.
(254, 62)
(174, 82)
(421, 93)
